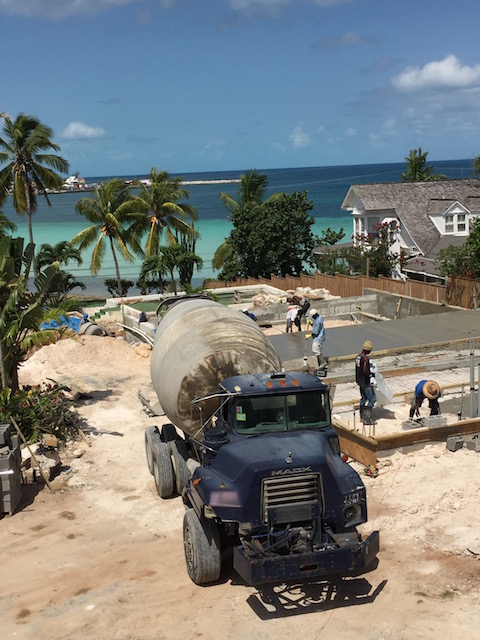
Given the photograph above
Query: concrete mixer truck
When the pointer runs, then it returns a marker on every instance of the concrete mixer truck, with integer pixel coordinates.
(252, 453)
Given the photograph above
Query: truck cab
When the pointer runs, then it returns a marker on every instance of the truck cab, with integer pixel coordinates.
(272, 484)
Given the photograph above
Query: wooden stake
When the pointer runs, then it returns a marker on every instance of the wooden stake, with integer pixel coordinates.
(32, 454)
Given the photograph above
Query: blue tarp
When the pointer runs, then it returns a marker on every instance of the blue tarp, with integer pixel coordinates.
(71, 323)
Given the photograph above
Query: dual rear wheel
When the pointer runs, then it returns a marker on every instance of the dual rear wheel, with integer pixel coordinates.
(166, 455)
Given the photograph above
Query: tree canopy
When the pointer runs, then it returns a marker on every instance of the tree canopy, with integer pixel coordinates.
(111, 211)
(462, 261)
(29, 169)
(274, 237)
(417, 169)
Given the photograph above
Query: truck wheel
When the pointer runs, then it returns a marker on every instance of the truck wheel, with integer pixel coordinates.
(163, 470)
(179, 464)
(151, 437)
(201, 542)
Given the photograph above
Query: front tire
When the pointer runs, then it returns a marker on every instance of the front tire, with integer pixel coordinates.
(201, 542)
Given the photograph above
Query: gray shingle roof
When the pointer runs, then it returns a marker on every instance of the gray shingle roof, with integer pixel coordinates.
(414, 201)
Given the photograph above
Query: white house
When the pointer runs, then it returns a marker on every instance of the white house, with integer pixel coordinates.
(424, 217)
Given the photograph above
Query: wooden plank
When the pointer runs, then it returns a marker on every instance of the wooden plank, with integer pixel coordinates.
(361, 448)
(426, 434)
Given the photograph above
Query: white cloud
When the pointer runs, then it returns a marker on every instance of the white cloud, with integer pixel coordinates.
(274, 7)
(438, 74)
(351, 132)
(58, 8)
(80, 130)
(299, 137)
(345, 41)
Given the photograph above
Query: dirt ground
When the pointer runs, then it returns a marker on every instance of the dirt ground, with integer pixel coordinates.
(102, 557)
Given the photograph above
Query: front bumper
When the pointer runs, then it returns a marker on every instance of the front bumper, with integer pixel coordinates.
(343, 560)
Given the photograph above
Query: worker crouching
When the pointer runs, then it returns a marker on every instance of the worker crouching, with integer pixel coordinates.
(429, 390)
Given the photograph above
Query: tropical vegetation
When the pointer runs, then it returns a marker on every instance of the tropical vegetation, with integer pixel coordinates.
(63, 282)
(371, 252)
(112, 211)
(21, 308)
(274, 237)
(27, 146)
(269, 236)
(417, 169)
(462, 261)
(163, 214)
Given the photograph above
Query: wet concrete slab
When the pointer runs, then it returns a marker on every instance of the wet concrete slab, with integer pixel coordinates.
(385, 335)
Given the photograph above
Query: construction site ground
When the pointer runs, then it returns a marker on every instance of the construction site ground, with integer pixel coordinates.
(102, 556)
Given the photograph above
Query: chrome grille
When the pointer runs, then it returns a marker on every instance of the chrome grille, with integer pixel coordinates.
(291, 497)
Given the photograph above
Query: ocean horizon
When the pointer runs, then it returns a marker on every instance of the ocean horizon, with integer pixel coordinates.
(325, 186)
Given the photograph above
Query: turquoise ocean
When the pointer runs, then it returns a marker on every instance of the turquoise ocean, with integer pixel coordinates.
(325, 186)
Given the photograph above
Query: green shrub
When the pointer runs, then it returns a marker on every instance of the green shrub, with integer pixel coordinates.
(40, 410)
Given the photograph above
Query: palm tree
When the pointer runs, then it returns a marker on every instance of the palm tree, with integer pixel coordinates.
(159, 210)
(110, 211)
(251, 191)
(21, 310)
(6, 225)
(63, 282)
(417, 170)
(29, 169)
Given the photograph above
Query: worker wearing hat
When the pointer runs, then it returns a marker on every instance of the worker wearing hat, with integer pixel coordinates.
(363, 376)
(318, 335)
(426, 389)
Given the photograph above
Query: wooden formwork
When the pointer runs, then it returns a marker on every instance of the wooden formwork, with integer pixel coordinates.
(364, 448)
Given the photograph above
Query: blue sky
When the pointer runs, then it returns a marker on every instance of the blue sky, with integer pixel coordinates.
(212, 85)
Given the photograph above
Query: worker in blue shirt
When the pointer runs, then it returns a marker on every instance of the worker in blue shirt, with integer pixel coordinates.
(318, 335)
(426, 389)
(250, 314)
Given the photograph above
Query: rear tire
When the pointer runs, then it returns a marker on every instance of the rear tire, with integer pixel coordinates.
(152, 436)
(163, 470)
(201, 542)
(179, 464)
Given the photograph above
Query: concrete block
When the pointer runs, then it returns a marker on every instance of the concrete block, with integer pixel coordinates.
(454, 443)
(434, 421)
(473, 443)
(10, 459)
(5, 433)
(411, 424)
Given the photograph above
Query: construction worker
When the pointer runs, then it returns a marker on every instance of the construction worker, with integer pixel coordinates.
(249, 314)
(426, 389)
(363, 377)
(318, 335)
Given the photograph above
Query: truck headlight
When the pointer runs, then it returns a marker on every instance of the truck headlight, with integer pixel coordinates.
(352, 513)
(352, 508)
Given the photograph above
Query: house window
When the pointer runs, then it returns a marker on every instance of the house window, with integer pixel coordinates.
(449, 224)
(461, 222)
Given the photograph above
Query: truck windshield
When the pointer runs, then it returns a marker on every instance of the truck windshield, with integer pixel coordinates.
(282, 413)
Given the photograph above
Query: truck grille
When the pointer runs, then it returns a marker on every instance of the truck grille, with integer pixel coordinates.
(292, 498)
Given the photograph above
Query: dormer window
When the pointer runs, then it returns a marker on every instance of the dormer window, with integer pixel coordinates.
(455, 220)
(449, 224)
